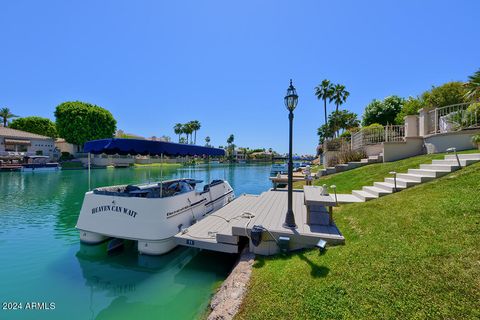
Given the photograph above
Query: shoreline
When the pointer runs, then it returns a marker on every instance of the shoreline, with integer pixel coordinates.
(227, 300)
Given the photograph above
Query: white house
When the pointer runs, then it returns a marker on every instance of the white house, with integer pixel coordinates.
(17, 142)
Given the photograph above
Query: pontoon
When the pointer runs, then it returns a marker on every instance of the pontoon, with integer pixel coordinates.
(152, 213)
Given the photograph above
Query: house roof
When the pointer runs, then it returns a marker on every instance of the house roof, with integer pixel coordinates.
(18, 134)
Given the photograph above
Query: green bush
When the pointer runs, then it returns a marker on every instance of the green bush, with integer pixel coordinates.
(79, 122)
(445, 95)
(351, 155)
(38, 125)
(382, 111)
(476, 140)
(66, 156)
(410, 107)
(373, 126)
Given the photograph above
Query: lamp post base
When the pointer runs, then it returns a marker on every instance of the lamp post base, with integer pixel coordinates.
(289, 221)
(286, 226)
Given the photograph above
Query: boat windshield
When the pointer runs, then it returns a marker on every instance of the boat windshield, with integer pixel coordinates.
(168, 189)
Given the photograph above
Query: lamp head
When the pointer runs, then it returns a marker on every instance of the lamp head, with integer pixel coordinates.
(291, 98)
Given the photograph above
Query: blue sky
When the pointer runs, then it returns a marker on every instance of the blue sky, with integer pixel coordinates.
(228, 63)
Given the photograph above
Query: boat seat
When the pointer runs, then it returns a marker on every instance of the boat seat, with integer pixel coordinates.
(130, 188)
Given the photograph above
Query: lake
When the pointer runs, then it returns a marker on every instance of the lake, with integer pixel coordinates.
(43, 263)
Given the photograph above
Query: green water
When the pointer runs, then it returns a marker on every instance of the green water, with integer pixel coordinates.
(41, 259)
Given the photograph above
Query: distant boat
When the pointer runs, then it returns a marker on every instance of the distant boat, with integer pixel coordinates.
(39, 164)
(278, 168)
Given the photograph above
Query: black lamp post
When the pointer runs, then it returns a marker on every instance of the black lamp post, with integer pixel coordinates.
(291, 100)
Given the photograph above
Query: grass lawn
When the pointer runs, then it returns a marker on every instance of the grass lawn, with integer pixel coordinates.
(168, 165)
(411, 255)
(355, 179)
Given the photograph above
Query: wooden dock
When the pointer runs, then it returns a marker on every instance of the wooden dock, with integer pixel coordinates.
(224, 229)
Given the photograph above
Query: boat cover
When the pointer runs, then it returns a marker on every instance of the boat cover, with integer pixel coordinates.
(148, 147)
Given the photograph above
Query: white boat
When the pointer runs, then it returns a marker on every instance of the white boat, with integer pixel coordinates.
(153, 213)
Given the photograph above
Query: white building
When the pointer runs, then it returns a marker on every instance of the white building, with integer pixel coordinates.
(17, 142)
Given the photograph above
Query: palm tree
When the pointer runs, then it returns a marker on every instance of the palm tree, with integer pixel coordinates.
(230, 140)
(5, 114)
(339, 96)
(195, 125)
(473, 86)
(207, 141)
(323, 92)
(187, 129)
(178, 129)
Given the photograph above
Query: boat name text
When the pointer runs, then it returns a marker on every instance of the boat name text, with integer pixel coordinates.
(108, 208)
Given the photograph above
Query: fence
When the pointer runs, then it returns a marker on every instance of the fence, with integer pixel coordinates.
(454, 118)
(376, 135)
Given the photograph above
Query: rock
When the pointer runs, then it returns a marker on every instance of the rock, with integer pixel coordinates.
(227, 300)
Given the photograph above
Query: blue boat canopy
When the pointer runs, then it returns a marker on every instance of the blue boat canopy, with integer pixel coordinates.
(148, 147)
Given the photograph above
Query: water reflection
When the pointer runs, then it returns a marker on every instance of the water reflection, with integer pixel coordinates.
(172, 286)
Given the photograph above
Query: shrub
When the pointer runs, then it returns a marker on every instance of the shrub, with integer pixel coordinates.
(79, 122)
(351, 155)
(66, 156)
(38, 125)
(445, 95)
(476, 140)
(382, 111)
(410, 107)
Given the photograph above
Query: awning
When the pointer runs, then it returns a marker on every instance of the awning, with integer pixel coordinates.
(22, 142)
(148, 147)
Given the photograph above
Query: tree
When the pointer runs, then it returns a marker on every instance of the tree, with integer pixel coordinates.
(178, 129)
(78, 122)
(323, 92)
(230, 140)
(324, 132)
(187, 129)
(207, 141)
(5, 114)
(343, 120)
(383, 112)
(339, 95)
(445, 95)
(473, 86)
(410, 107)
(195, 125)
(38, 125)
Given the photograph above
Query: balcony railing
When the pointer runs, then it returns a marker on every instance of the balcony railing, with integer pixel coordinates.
(376, 135)
(454, 118)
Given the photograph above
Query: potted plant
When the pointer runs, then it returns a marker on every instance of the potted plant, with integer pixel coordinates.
(476, 140)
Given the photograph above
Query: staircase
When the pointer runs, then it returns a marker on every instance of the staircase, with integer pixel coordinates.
(350, 165)
(426, 172)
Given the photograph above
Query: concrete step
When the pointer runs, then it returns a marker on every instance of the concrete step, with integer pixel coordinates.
(454, 162)
(341, 167)
(387, 186)
(348, 198)
(365, 160)
(355, 164)
(429, 173)
(379, 192)
(331, 170)
(363, 195)
(405, 183)
(415, 177)
(441, 167)
(467, 156)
